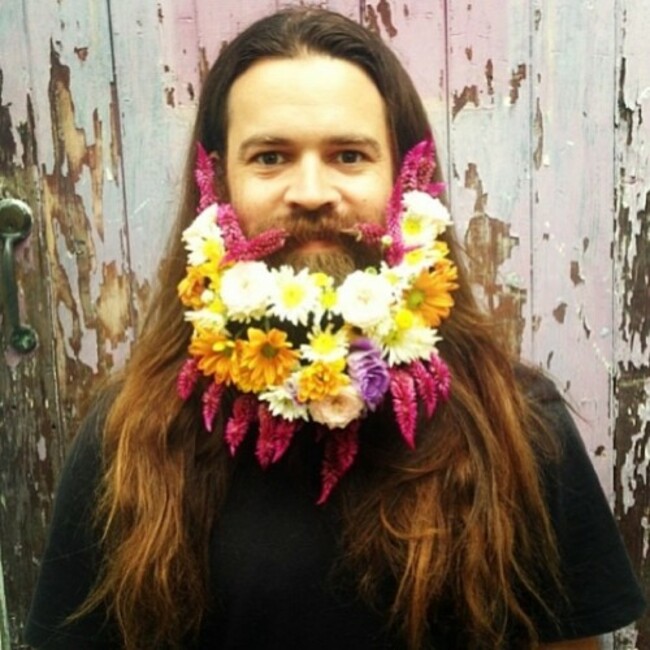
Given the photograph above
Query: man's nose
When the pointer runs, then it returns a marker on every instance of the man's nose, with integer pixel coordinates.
(310, 185)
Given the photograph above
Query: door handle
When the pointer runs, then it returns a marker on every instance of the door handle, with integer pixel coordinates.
(15, 225)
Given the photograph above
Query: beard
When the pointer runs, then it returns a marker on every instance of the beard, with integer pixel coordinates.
(344, 253)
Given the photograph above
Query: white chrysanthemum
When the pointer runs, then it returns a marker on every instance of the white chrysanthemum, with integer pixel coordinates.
(337, 411)
(283, 403)
(293, 295)
(325, 345)
(245, 290)
(201, 233)
(406, 344)
(424, 218)
(364, 299)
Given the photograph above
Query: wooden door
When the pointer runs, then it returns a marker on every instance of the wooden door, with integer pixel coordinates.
(540, 112)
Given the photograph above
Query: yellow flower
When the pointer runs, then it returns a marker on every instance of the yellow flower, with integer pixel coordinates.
(265, 360)
(191, 287)
(321, 379)
(328, 299)
(216, 354)
(430, 295)
(404, 319)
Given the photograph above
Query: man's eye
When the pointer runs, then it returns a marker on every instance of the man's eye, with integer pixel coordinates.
(350, 157)
(269, 158)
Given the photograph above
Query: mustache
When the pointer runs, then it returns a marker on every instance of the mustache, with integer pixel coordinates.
(324, 224)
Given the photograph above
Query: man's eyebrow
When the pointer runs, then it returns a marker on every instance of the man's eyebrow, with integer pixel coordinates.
(261, 141)
(342, 140)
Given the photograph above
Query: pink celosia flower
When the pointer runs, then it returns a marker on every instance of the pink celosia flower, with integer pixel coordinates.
(440, 371)
(187, 378)
(416, 173)
(341, 446)
(211, 400)
(402, 389)
(274, 437)
(238, 247)
(244, 413)
(426, 387)
(370, 234)
(204, 177)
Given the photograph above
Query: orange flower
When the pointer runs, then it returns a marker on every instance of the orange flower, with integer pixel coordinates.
(191, 287)
(430, 295)
(321, 379)
(215, 354)
(265, 360)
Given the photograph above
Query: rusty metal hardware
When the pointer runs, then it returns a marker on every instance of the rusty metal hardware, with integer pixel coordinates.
(15, 225)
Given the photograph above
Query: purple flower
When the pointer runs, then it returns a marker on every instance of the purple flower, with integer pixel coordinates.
(369, 372)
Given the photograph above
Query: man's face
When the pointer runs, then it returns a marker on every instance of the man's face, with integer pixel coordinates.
(309, 151)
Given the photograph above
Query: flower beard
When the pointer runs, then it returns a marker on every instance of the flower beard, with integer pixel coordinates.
(344, 254)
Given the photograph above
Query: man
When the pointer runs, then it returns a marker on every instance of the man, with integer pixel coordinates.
(486, 530)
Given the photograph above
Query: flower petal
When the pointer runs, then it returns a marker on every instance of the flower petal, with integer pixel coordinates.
(341, 446)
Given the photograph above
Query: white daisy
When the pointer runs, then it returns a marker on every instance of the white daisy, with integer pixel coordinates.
(293, 295)
(202, 235)
(283, 403)
(245, 290)
(325, 345)
(424, 218)
(364, 299)
(406, 344)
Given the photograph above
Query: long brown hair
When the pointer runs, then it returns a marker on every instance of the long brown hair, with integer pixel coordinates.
(461, 520)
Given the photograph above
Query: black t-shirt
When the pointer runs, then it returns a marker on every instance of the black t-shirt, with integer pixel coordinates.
(272, 551)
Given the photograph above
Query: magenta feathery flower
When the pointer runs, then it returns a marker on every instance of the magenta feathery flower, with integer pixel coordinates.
(244, 413)
(238, 247)
(370, 234)
(416, 173)
(402, 389)
(341, 446)
(395, 250)
(368, 371)
(204, 177)
(211, 401)
(274, 438)
(441, 374)
(187, 378)
(426, 387)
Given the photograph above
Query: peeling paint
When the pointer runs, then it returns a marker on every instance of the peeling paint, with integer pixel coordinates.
(559, 313)
(81, 52)
(575, 274)
(488, 244)
(113, 305)
(7, 141)
(634, 237)
(116, 134)
(169, 97)
(516, 79)
(489, 76)
(467, 95)
(371, 20)
(384, 11)
(538, 136)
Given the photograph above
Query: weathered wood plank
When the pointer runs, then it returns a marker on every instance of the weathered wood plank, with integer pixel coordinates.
(416, 31)
(65, 163)
(30, 421)
(631, 251)
(489, 107)
(573, 208)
